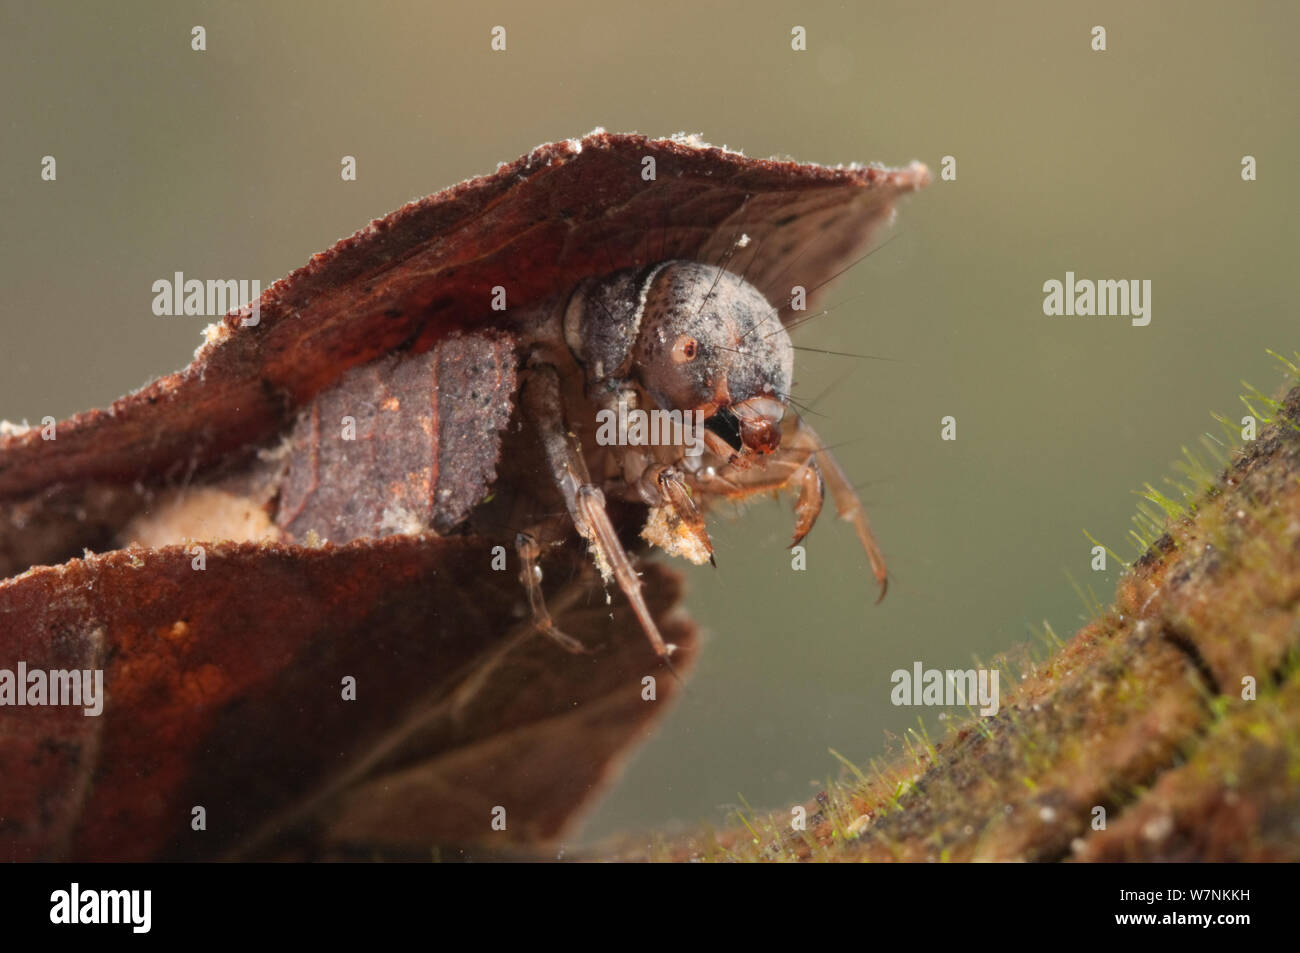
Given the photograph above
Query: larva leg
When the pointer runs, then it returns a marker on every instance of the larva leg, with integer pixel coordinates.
(585, 502)
(665, 487)
(808, 504)
(531, 576)
(818, 469)
(802, 463)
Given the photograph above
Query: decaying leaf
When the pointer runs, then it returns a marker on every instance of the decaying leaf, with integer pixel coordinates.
(229, 634)
(225, 691)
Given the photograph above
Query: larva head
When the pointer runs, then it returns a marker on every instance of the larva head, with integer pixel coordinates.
(694, 337)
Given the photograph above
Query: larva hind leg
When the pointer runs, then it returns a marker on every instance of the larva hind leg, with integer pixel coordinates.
(543, 407)
(530, 574)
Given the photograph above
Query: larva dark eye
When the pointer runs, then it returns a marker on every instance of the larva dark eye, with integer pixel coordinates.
(684, 349)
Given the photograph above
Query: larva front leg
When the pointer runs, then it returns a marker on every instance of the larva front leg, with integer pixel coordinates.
(804, 465)
(543, 407)
(675, 523)
(820, 469)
